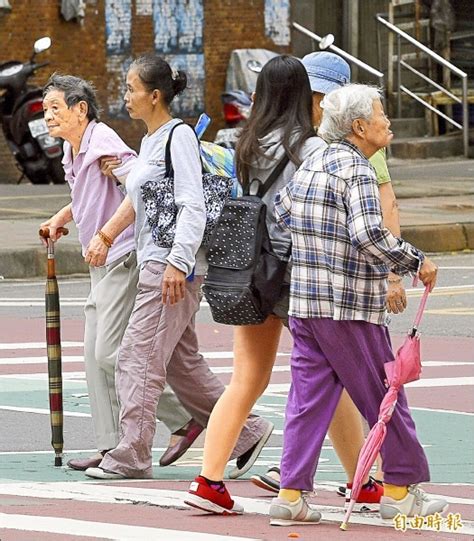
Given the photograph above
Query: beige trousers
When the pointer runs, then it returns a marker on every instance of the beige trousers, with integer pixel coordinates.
(160, 345)
(107, 311)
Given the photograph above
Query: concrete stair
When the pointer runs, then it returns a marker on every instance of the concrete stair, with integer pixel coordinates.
(413, 148)
(412, 141)
(408, 127)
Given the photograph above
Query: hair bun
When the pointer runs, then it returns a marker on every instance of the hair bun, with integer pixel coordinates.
(180, 81)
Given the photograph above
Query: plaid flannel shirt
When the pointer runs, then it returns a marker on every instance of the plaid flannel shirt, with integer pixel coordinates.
(341, 252)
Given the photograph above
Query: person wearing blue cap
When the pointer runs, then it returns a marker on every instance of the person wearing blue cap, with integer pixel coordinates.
(327, 72)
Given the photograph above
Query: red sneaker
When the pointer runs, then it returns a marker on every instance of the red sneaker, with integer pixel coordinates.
(369, 497)
(217, 501)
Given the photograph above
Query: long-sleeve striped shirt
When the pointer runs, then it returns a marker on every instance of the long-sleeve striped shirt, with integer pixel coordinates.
(341, 252)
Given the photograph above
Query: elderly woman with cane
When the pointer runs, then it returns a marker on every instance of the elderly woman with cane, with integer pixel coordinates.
(341, 258)
(160, 342)
(72, 113)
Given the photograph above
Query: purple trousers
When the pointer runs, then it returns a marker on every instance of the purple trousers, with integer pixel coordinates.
(327, 356)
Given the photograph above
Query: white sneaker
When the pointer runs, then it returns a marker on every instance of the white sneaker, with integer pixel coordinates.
(99, 473)
(285, 513)
(416, 502)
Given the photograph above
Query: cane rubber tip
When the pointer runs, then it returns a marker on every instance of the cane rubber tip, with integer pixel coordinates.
(58, 461)
(343, 526)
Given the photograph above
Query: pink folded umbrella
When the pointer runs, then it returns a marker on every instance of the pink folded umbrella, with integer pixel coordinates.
(405, 368)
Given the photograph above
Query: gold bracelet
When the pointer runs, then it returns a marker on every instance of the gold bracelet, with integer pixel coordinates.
(105, 238)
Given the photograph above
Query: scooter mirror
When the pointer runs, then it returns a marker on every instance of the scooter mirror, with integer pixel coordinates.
(42, 44)
(255, 66)
(326, 41)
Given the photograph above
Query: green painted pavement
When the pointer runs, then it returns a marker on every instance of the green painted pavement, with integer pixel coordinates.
(446, 437)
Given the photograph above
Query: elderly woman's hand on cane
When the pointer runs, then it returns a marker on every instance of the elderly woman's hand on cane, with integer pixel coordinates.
(56, 223)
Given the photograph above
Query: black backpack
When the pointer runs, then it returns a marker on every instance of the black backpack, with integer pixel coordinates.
(245, 276)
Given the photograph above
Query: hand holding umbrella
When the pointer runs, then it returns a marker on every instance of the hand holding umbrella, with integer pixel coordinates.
(53, 343)
(405, 368)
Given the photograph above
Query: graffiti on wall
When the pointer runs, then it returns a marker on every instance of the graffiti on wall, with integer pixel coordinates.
(178, 29)
(118, 26)
(277, 21)
(144, 7)
(178, 36)
(118, 34)
(178, 26)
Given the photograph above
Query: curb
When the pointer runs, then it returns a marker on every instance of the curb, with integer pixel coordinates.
(440, 237)
(31, 262)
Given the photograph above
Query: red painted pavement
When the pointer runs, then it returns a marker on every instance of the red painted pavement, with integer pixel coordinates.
(219, 338)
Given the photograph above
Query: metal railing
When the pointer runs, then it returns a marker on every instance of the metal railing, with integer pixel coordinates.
(445, 63)
(341, 52)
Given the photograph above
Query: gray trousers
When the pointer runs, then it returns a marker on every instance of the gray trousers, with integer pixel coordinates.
(160, 345)
(107, 311)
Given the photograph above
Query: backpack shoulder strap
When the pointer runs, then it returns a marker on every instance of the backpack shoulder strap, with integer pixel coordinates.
(273, 176)
(168, 164)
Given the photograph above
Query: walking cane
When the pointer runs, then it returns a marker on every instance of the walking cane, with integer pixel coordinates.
(53, 345)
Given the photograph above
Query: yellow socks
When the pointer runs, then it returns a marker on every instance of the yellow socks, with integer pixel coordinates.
(395, 492)
(289, 494)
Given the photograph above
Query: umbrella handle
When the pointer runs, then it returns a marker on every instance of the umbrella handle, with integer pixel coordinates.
(44, 231)
(421, 309)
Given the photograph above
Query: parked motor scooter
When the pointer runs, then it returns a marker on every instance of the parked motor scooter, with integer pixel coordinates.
(242, 71)
(37, 154)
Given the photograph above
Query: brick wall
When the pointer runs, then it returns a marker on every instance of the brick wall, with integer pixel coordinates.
(81, 49)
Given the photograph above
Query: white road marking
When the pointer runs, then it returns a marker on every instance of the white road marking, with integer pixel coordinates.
(105, 530)
(30, 304)
(37, 345)
(450, 311)
(442, 382)
(38, 360)
(420, 289)
(95, 492)
(43, 411)
(276, 432)
(271, 389)
(82, 451)
(7, 361)
(435, 410)
(456, 268)
(37, 299)
(421, 383)
(80, 358)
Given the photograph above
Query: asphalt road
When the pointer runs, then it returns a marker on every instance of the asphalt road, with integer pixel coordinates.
(449, 312)
(442, 404)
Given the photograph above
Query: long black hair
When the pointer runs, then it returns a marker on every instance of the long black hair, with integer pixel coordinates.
(283, 99)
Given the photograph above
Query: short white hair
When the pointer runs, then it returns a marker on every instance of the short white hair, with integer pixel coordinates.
(344, 105)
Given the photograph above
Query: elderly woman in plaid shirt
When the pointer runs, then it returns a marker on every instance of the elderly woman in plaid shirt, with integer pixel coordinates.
(341, 256)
